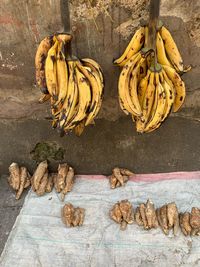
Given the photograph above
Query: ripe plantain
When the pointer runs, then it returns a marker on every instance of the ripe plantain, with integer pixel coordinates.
(40, 58)
(172, 50)
(160, 49)
(179, 86)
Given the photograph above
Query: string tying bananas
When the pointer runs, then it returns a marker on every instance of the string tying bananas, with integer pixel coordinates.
(150, 86)
(73, 86)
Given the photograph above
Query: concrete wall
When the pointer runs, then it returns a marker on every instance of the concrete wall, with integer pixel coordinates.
(101, 31)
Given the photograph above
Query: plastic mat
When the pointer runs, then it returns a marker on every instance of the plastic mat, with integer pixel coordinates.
(39, 237)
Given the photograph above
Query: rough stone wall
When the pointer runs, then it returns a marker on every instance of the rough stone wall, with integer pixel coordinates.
(101, 30)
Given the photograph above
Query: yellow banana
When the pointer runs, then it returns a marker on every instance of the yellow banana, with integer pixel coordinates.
(149, 98)
(62, 76)
(96, 93)
(94, 66)
(44, 98)
(40, 58)
(146, 105)
(84, 99)
(133, 88)
(170, 96)
(161, 101)
(133, 47)
(179, 85)
(160, 50)
(50, 70)
(143, 87)
(172, 50)
(79, 128)
(69, 99)
(123, 87)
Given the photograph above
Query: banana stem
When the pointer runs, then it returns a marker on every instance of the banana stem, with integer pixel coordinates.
(153, 22)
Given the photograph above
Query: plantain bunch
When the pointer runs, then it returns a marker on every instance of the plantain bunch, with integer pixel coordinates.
(150, 86)
(73, 86)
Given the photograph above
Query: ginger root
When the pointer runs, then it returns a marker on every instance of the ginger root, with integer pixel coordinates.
(71, 216)
(19, 179)
(173, 217)
(119, 177)
(122, 213)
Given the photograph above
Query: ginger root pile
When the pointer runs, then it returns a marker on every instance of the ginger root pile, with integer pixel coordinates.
(122, 213)
(19, 179)
(71, 216)
(119, 177)
(42, 181)
(167, 217)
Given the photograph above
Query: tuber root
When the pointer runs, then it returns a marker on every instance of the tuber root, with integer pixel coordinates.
(38, 174)
(173, 217)
(185, 223)
(19, 179)
(50, 183)
(69, 181)
(62, 174)
(162, 219)
(119, 177)
(72, 216)
(14, 178)
(43, 184)
(122, 213)
(195, 218)
(151, 215)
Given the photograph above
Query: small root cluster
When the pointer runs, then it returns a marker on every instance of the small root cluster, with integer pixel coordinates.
(72, 216)
(122, 213)
(190, 222)
(19, 179)
(119, 177)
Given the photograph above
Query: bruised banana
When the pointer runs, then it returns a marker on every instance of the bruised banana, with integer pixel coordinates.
(40, 58)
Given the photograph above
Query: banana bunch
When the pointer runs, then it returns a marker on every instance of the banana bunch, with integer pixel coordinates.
(73, 86)
(149, 84)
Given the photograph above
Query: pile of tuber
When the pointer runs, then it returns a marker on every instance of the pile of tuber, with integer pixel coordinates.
(168, 218)
(122, 213)
(145, 215)
(41, 181)
(64, 180)
(119, 177)
(19, 179)
(190, 222)
(71, 216)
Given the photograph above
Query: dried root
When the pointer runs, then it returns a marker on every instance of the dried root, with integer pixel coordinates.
(19, 179)
(122, 213)
(71, 216)
(146, 215)
(119, 177)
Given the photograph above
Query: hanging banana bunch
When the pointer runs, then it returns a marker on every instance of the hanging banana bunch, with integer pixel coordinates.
(150, 86)
(73, 86)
